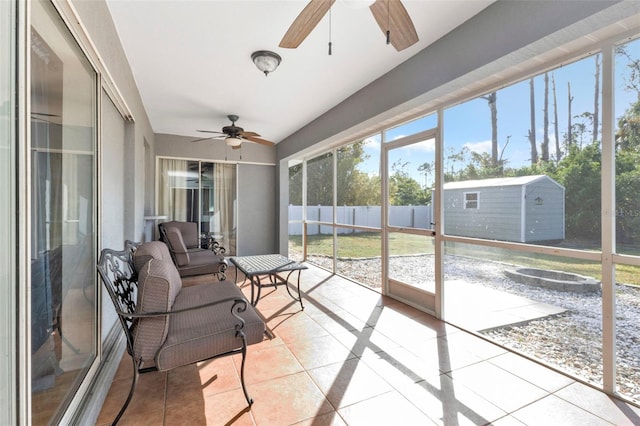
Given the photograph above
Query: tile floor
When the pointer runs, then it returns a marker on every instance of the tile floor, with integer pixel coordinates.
(353, 357)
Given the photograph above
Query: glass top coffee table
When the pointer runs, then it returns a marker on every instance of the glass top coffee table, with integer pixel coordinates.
(268, 270)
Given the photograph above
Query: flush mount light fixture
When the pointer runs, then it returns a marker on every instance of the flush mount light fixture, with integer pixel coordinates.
(266, 61)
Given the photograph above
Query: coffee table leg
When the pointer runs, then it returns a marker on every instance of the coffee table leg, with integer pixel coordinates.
(252, 297)
(258, 284)
(286, 283)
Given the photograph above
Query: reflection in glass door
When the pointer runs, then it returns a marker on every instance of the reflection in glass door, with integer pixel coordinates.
(63, 323)
(409, 225)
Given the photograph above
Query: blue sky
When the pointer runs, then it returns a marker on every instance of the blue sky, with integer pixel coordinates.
(469, 124)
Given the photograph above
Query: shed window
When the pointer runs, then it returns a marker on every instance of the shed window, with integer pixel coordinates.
(471, 200)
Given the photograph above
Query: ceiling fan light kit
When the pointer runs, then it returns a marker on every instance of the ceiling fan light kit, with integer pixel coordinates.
(266, 61)
(233, 142)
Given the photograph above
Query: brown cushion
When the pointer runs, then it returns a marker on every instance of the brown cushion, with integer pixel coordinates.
(189, 231)
(202, 333)
(177, 246)
(202, 262)
(158, 285)
(148, 251)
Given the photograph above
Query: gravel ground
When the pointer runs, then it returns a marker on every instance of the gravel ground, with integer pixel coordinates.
(571, 341)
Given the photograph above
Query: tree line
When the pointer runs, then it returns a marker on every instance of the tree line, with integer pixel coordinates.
(574, 161)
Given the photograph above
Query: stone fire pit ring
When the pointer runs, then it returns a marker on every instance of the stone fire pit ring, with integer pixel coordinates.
(556, 280)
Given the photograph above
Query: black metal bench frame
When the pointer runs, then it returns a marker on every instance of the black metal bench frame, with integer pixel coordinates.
(119, 276)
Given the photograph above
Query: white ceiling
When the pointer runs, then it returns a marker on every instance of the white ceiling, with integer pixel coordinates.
(192, 59)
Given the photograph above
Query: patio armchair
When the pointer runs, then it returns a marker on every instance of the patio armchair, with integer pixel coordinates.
(167, 325)
(184, 244)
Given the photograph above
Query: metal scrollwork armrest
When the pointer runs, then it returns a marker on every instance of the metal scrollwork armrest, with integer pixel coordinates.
(222, 271)
(207, 241)
(239, 306)
(216, 248)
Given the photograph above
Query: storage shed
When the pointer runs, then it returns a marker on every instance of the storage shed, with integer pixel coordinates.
(520, 209)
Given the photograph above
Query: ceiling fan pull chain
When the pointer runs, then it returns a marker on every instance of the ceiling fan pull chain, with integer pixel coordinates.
(388, 26)
(329, 31)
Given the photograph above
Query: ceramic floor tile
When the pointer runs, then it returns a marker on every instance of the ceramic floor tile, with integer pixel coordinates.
(498, 386)
(188, 408)
(366, 313)
(438, 352)
(600, 404)
(399, 367)
(339, 322)
(329, 419)
(376, 411)
(507, 421)
(214, 376)
(125, 368)
(348, 382)
(268, 363)
(448, 403)
(315, 305)
(277, 320)
(532, 372)
(480, 347)
(288, 400)
(220, 409)
(365, 341)
(552, 411)
(298, 328)
(146, 406)
(320, 351)
(376, 361)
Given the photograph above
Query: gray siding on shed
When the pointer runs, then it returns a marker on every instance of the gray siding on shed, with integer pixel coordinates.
(497, 216)
(544, 221)
(507, 209)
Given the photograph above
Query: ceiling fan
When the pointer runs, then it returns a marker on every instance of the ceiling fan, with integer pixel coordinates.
(234, 135)
(391, 16)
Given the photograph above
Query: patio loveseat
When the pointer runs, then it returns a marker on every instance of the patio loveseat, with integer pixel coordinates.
(190, 258)
(167, 325)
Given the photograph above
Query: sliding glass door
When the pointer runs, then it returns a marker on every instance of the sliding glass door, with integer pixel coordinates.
(201, 192)
(63, 326)
(8, 224)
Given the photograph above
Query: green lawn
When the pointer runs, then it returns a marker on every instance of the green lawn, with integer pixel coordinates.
(368, 244)
(364, 244)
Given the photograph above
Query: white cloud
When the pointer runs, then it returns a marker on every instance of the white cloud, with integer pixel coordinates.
(372, 143)
(479, 147)
(428, 145)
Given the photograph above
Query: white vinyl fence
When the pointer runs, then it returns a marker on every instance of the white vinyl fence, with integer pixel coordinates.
(405, 216)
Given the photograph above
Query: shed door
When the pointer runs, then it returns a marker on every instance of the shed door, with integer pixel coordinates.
(409, 248)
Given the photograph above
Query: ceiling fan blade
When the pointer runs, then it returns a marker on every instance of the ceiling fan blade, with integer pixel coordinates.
(210, 138)
(258, 140)
(244, 133)
(305, 22)
(202, 139)
(210, 131)
(392, 16)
